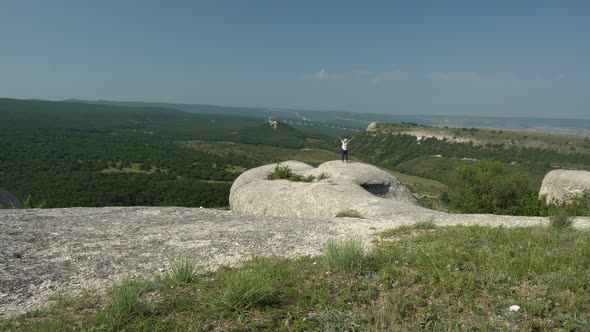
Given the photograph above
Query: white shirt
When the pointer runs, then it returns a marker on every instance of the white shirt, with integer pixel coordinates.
(345, 145)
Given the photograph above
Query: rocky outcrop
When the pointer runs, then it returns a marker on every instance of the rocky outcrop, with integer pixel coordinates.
(561, 185)
(9, 201)
(372, 126)
(367, 189)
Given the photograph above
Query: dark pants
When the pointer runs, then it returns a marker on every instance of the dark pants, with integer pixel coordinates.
(344, 155)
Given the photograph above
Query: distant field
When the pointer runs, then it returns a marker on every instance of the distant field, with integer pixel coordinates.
(262, 153)
(421, 186)
(443, 169)
(480, 136)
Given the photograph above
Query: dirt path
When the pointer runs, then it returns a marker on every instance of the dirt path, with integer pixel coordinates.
(43, 251)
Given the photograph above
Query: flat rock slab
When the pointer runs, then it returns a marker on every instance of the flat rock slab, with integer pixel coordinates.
(43, 251)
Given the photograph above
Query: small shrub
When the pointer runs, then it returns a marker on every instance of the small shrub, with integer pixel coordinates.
(285, 173)
(425, 224)
(280, 173)
(489, 187)
(243, 289)
(183, 270)
(350, 213)
(559, 217)
(348, 255)
(533, 205)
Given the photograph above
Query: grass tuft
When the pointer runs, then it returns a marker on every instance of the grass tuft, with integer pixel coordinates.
(336, 321)
(348, 255)
(560, 217)
(242, 290)
(425, 224)
(123, 304)
(350, 213)
(184, 270)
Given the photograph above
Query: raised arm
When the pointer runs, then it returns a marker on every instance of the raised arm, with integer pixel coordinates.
(351, 138)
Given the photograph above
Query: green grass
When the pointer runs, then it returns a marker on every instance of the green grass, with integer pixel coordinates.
(243, 289)
(263, 153)
(350, 213)
(425, 224)
(348, 256)
(184, 270)
(123, 306)
(440, 279)
(559, 217)
(419, 185)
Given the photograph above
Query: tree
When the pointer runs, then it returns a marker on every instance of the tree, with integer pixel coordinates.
(489, 187)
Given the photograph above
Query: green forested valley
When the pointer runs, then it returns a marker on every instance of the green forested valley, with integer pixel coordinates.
(57, 154)
(62, 154)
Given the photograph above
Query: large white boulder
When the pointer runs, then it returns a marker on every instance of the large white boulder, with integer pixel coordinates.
(365, 188)
(561, 185)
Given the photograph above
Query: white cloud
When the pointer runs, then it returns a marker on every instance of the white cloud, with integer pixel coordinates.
(320, 75)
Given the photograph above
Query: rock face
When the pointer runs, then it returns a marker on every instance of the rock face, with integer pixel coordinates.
(372, 126)
(560, 185)
(9, 201)
(370, 191)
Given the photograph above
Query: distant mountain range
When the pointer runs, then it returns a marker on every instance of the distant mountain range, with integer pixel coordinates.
(359, 121)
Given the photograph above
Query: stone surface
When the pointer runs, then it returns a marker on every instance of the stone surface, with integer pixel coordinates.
(9, 201)
(371, 191)
(560, 185)
(46, 251)
(372, 126)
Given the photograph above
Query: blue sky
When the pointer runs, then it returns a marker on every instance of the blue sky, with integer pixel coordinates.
(504, 58)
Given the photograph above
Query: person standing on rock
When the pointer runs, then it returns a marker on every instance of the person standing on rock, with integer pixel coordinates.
(345, 142)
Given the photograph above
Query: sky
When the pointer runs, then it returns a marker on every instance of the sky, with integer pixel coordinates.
(479, 58)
